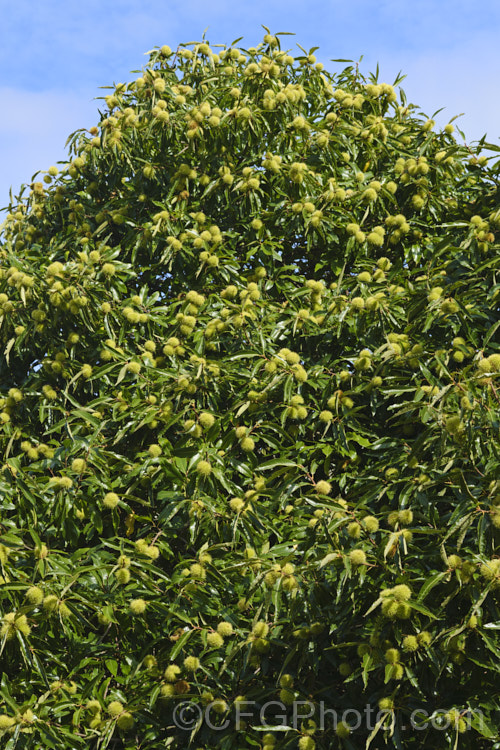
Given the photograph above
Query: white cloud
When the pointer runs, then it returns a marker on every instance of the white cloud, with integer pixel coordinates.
(34, 128)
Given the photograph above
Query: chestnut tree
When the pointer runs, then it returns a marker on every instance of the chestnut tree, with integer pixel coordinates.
(249, 419)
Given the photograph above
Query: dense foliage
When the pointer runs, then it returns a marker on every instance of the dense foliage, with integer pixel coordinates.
(249, 419)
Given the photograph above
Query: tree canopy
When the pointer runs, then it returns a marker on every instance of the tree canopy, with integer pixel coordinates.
(249, 419)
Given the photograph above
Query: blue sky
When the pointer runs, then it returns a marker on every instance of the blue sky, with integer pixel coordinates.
(56, 54)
